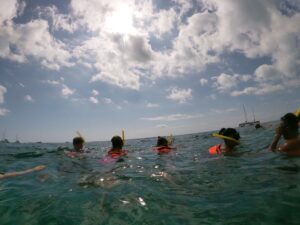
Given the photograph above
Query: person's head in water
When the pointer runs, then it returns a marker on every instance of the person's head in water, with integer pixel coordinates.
(232, 133)
(117, 142)
(289, 123)
(78, 143)
(257, 126)
(161, 141)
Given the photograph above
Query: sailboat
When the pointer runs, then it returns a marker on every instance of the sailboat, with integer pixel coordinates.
(17, 140)
(247, 123)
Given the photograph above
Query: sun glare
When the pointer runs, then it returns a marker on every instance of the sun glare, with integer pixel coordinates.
(120, 21)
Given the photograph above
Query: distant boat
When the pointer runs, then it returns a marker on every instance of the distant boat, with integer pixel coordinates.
(4, 140)
(254, 123)
(17, 140)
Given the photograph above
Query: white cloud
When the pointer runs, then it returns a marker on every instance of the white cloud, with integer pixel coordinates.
(21, 85)
(253, 29)
(229, 26)
(260, 90)
(93, 100)
(66, 91)
(212, 97)
(8, 10)
(28, 98)
(95, 92)
(226, 82)
(220, 111)
(125, 58)
(179, 95)
(173, 117)
(4, 111)
(3, 90)
(163, 22)
(121, 54)
(60, 21)
(52, 82)
(92, 13)
(265, 73)
(152, 105)
(161, 126)
(203, 81)
(117, 79)
(21, 42)
(189, 52)
(33, 40)
(107, 100)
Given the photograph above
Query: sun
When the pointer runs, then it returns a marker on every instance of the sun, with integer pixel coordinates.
(120, 21)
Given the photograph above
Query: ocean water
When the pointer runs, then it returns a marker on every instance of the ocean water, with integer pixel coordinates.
(187, 186)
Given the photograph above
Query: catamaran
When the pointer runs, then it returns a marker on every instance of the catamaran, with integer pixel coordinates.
(247, 123)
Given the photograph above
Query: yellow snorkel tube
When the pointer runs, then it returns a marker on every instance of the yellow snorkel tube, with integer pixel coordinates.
(170, 139)
(225, 137)
(79, 134)
(123, 136)
(297, 113)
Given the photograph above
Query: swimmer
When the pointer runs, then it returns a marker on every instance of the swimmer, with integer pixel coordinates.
(231, 139)
(162, 146)
(117, 148)
(257, 126)
(288, 129)
(297, 113)
(20, 173)
(78, 143)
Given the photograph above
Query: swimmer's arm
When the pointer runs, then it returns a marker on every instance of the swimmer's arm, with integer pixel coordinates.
(20, 173)
(276, 138)
(275, 141)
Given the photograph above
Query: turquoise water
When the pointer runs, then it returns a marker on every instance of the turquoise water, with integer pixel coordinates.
(185, 187)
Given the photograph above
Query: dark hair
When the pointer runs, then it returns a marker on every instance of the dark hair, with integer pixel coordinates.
(78, 140)
(230, 132)
(161, 141)
(117, 142)
(290, 120)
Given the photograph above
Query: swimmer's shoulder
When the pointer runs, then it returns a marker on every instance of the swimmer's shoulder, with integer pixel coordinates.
(290, 146)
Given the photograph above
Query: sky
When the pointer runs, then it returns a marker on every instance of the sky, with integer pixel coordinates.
(151, 67)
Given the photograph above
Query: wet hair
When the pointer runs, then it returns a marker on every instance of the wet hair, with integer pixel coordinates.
(290, 120)
(230, 132)
(78, 140)
(117, 142)
(161, 141)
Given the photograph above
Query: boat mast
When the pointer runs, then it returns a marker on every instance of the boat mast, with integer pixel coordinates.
(4, 135)
(245, 113)
(253, 115)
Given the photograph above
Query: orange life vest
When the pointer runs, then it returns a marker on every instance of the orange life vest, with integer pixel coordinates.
(215, 150)
(162, 149)
(114, 154)
(74, 153)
